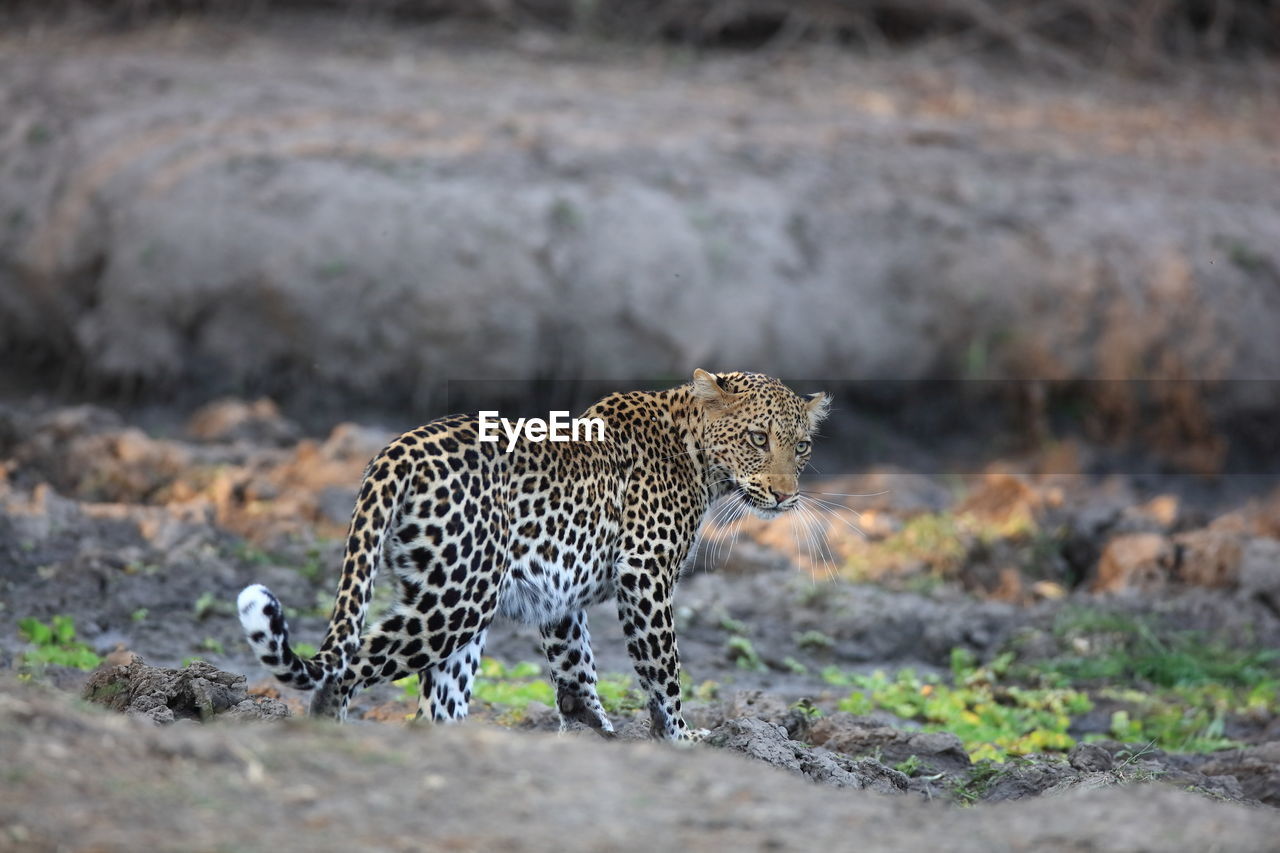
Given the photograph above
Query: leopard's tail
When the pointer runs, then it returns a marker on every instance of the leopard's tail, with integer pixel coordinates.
(262, 615)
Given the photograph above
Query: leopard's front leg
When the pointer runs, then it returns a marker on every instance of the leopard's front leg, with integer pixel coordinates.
(644, 607)
(567, 645)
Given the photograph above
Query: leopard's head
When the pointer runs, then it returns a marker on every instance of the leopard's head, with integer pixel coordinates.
(758, 437)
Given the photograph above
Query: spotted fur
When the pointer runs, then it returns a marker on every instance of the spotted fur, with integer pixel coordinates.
(537, 535)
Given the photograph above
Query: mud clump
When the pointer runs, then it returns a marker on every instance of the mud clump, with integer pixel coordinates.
(1256, 768)
(938, 752)
(231, 420)
(1090, 757)
(198, 691)
(770, 743)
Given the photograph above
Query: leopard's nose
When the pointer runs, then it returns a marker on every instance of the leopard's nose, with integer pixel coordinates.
(781, 497)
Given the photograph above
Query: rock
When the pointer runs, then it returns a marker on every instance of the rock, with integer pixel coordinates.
(758, 704)
(1162, 510)
(769, 743)
(1256, 770)
(1134, 561)
(1018, 782)
(1260, 571)
(198, 691)
(230, 420)
(939, 752)
(1209, 558)
(1003, 500)
(763, 706)
(1090, 757)
(120, 656)
(256, 707)
(83, 452)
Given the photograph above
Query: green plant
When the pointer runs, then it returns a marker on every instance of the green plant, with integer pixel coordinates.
(565, 214)
(619, 695)
(911, 765)
(312, 567)
(248, 553)
(208, 604)
(795, 666)
(993, 720)
(740, 650)
(704, 692)
(1184, 719)
(510, 689)
(807, 708)
(210, 644)
(977, 783)
(506, 688)
(1107, 647)
(734, 626)
(1189, 684)
(56, 644)
(837, 677)
(815, 640)
(514, 686)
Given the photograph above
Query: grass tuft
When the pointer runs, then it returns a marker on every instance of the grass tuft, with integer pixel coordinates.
(56, 644)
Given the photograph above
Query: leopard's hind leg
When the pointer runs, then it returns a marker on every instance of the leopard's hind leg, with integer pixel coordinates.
(444, 690)
(448, 550)
(438, 635)
(398, 647)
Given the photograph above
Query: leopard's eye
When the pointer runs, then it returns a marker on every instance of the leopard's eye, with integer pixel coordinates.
(802, 447)
(758, 438)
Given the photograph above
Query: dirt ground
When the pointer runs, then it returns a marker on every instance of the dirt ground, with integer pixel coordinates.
(79, 780)
(145, 542)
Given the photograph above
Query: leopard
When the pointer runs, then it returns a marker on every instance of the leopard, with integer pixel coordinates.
(538, 532)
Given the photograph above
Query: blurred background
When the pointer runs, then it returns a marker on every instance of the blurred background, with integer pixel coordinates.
(347, 204)
(1032, 248)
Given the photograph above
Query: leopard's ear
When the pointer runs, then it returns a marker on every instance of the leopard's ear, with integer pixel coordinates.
(819, 406)
(711, 390)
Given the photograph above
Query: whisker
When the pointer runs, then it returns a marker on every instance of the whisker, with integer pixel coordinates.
(736, 530)
(733, 514)
(717, 518)
(823, 542)
(726, 519)
(796, 538)
(834, 562)
(834, 505)
(843, 495)
(808, 567)
(814, 553)
(836, 516)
